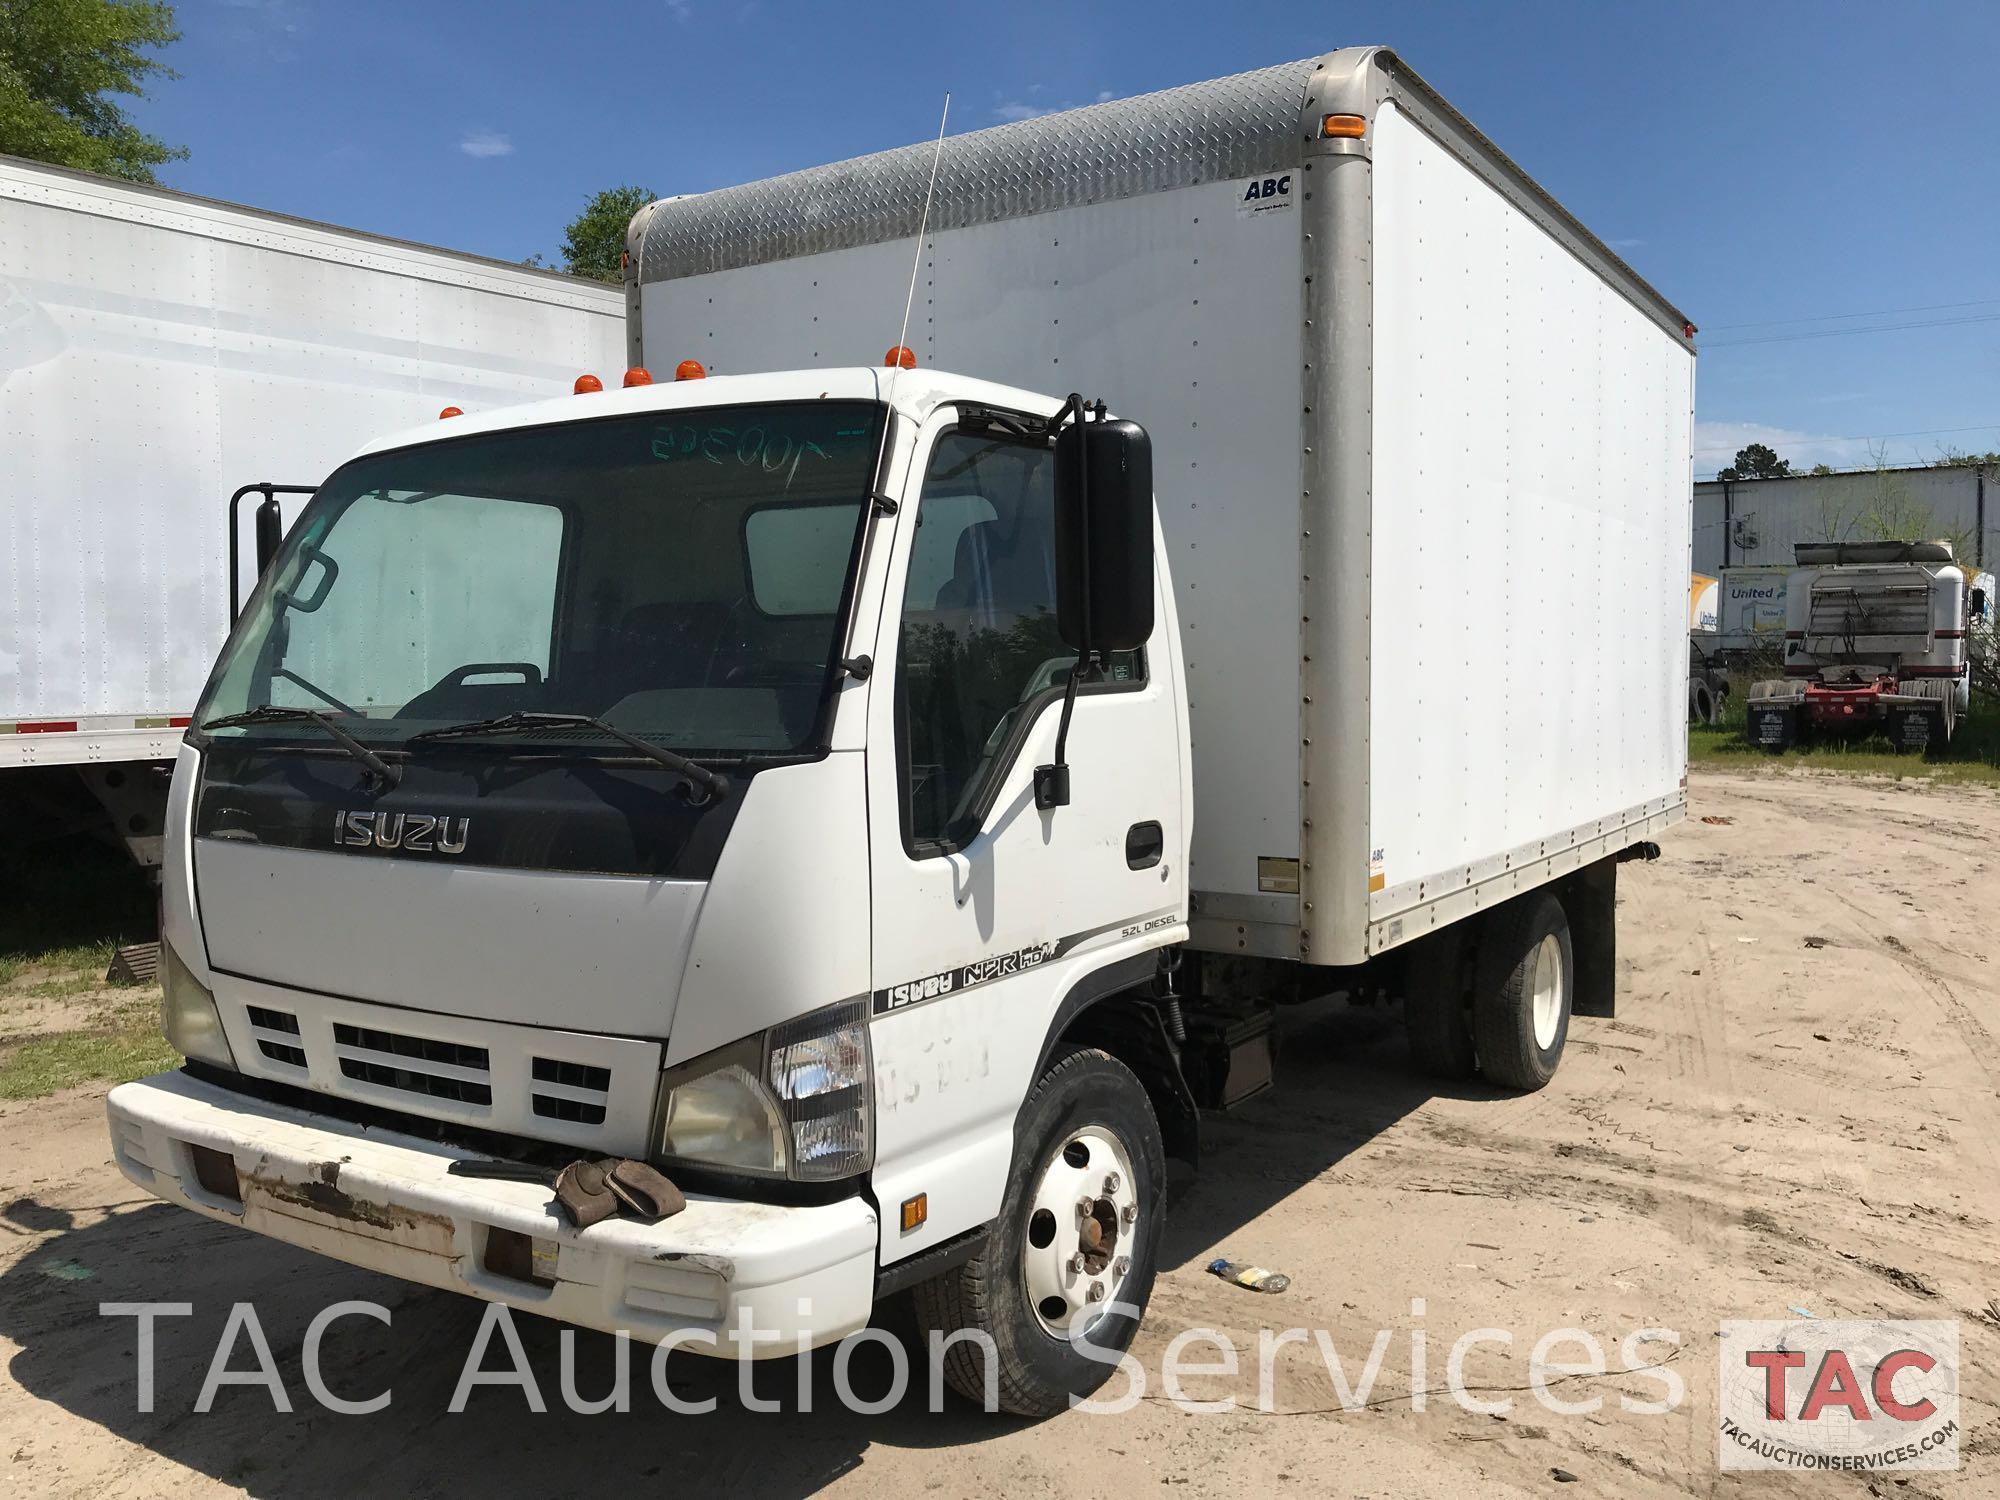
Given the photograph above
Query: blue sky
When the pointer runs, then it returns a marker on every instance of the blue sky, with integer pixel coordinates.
(1772, 168)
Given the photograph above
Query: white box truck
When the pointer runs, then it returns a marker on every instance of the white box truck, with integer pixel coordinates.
(893, 802)
(157, 352)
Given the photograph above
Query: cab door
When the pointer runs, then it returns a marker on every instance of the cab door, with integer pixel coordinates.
(988, 911)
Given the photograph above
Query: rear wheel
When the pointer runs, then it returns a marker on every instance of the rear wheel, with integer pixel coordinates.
(1523, 991)
(1071, 1257)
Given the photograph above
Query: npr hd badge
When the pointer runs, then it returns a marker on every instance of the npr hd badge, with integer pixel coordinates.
(1264, 195)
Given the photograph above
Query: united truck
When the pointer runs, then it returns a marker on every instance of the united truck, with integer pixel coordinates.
(894, 796)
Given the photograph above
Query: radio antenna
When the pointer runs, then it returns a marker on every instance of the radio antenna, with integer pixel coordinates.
(923, 227)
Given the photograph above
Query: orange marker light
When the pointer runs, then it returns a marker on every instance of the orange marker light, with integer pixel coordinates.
(690, 369)
(638, 375)
(587, 385)
(900, 358)
(450, 411)
(1343, 127)
(915, 1211)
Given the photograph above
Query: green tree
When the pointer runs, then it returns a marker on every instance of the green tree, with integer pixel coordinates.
(594, 242)
(60, 61)
(1958, 458)
(1755, 461)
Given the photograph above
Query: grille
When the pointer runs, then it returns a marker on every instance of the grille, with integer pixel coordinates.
(277, 1034)
(523, 1081)
(578, 1092)
(1894, 610)
(414, 1064)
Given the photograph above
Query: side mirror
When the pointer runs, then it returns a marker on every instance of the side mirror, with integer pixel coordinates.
(1104, 536)
(270, 532)
(1978, 605)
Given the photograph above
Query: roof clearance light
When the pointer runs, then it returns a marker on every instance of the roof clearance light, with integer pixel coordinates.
(638, 375)
(588, 385)
(450, 411)
(1343, 127)
(900, 358)
(690, 369)
(1689, 330)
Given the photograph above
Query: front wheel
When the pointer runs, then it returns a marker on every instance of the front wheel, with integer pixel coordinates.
(1523, 993)
(1070, 1260)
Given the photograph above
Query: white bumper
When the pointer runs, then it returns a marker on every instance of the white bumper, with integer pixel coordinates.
(385, 1202)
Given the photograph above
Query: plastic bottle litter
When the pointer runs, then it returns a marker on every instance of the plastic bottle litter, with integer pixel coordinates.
(1255, 1277)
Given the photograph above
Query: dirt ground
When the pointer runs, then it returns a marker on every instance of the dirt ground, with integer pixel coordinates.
(1795, 1109)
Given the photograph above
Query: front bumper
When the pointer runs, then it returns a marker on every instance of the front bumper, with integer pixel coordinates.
(385, 1202)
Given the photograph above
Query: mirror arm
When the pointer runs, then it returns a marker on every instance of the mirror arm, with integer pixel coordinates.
(1052, 781)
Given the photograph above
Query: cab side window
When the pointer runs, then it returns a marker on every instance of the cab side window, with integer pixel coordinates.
(979, 648)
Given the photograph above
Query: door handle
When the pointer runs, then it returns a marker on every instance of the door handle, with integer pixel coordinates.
(1144, 843)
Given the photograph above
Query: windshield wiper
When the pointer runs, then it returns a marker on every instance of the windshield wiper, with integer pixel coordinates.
(709, 781)
(272, 713)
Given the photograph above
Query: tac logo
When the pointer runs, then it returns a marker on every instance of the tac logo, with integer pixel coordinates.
(1839, 1395)
(1264, 194)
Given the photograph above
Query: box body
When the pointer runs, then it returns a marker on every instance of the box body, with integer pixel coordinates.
(1421, 455)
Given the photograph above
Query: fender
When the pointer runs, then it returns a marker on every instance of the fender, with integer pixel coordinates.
(1102, 1011)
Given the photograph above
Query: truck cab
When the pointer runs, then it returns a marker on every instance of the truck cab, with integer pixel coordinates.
(1876, 638)
(653, 774)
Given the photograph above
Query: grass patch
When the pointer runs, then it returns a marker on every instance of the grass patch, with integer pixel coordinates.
(1972, 758)
(67, 987)
(45, 1065)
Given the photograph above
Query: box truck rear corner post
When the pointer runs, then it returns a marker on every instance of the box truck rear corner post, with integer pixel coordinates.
(894, 797)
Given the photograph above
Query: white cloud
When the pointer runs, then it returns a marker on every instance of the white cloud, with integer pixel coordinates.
(485, 143)
(1032, 108)
(1715, 444)
(681, 10)
(1624, 244)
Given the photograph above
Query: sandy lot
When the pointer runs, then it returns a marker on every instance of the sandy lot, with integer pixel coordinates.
(1770, 1123)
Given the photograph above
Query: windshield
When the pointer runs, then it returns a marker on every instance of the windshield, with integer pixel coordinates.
(680, 575)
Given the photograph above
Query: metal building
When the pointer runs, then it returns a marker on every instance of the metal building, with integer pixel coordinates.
(1755, 522)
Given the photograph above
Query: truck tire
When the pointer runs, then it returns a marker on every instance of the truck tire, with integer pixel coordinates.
(1051, 1276)
(1701, 704)
(1437, 1005)
(1522, 993)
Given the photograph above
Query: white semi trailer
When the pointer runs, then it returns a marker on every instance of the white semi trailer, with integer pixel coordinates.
(157, 352)
(893, 802)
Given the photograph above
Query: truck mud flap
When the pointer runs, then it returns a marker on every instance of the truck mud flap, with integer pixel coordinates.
(1912, 729)
(1772, 726)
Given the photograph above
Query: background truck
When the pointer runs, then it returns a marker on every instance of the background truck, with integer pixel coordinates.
(1879, 636)
(895, 802)
(1708, 682)
(157, 351)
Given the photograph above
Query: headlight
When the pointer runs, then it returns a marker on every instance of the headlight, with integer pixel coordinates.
(797, 1101)
(720, 1114)
(188, 1015)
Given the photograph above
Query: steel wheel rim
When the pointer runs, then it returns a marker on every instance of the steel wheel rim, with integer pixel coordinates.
(1085, 1215)
(1547, 979)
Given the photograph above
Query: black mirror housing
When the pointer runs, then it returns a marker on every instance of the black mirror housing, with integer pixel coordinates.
(270, 522)
(1104, 536)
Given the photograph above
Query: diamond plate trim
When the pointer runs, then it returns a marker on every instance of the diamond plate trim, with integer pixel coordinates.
(1226, 127)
